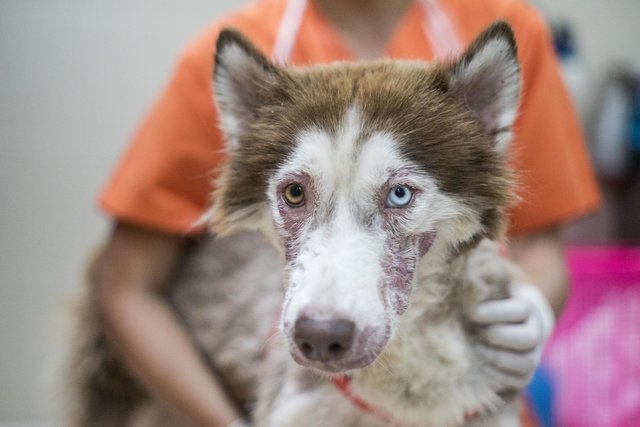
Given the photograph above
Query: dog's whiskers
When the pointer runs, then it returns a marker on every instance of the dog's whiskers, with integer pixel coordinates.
(381, 362)
(268, 342)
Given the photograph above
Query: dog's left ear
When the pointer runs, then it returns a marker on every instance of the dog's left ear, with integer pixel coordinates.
(242, 76)
(487, 80)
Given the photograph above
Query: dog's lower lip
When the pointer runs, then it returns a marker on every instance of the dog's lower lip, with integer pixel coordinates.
(339, 367)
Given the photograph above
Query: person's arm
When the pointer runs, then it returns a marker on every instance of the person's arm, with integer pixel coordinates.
(516, 328)
(541, 257)
(133, 270)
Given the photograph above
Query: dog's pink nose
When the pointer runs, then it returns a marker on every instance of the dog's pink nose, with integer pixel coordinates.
(323, 339)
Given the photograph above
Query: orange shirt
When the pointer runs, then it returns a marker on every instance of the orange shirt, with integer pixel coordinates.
(165, 178)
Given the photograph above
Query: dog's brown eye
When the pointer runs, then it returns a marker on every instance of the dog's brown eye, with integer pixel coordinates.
(294, 195)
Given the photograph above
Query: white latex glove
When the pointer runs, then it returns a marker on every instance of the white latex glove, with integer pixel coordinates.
(513, 335)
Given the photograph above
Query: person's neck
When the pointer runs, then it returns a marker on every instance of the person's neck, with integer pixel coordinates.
(365, 25)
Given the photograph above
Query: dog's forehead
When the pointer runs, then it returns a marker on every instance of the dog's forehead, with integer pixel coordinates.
(382, 90)
(352, 105)
(347, 117)
(348, 155)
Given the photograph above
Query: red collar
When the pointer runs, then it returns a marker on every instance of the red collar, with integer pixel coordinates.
(343, 384)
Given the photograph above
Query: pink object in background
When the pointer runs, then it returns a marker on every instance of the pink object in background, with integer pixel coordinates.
(594, 354)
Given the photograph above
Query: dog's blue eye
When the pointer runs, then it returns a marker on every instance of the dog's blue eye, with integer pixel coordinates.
(399, 196)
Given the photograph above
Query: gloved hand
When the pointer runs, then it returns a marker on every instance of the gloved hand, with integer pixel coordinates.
(513, 332)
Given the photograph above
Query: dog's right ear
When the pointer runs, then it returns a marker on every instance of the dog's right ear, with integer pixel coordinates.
(242, 75)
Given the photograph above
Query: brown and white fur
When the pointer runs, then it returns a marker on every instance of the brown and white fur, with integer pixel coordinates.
(404, 181)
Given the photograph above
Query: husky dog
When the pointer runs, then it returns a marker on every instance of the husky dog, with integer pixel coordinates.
(381, 186)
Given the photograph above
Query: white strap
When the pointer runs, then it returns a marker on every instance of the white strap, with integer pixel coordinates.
(439, 30)
(288, 30)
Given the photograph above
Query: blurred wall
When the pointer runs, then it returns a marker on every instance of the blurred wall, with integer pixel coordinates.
(75, 79)
(607, 35)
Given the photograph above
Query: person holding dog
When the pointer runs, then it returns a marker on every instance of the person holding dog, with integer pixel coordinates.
(162, 185)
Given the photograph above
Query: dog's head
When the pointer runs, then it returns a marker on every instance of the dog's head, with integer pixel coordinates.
(357, 171)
